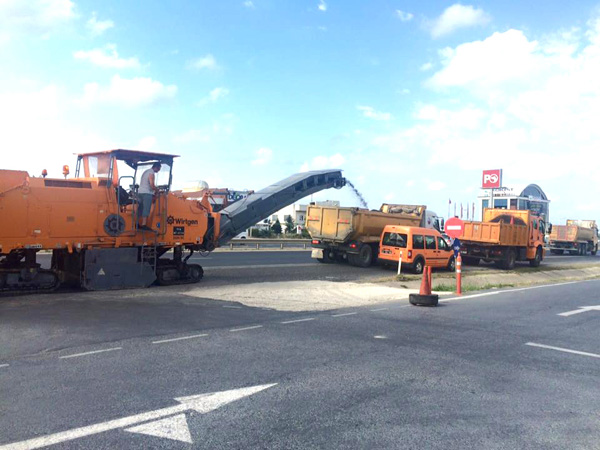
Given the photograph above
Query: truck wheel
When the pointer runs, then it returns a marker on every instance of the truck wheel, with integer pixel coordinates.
(326, 257)
(452, 264)
(557, 252)
(470, 261)
(535, 262)
(365, 256)
(595, 250)
(418, 265)
(509, 261)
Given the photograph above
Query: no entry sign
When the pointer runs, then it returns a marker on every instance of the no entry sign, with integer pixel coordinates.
(454, 227)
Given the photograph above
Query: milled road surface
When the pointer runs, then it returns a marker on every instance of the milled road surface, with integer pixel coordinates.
(502, 370)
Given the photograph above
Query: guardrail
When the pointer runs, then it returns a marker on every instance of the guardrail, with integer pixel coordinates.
(281, 243)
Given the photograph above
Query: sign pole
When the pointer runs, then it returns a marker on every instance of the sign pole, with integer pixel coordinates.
(400, 263)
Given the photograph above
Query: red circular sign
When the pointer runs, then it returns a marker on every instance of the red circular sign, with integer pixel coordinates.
(454, 227)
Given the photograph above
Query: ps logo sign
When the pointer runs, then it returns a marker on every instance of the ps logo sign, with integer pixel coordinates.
(492, 179)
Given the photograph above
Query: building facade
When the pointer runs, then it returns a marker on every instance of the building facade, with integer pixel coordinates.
(531, 198)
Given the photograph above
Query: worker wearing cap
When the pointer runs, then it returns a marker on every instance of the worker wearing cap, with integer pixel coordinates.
(146, 191)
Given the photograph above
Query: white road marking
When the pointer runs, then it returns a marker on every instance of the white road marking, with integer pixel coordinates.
(179, 338)
(560, 349)
(246, 328)
(76, 355)
(233, 307)
(4, 365)
(581, 309)
(298, 320)
(174, 428)
(202, 404)
(485, 294)
(380, 337)
(378, 309)
(344, 314)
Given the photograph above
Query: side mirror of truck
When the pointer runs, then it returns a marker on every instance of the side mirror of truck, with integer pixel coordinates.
(549, 228)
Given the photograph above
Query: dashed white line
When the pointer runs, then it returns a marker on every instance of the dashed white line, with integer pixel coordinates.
(246, 328)
(91, 353)
(179, 338)
(378, 309)
(4, 365)
(560, 349)
(344, 314)
(298, 320)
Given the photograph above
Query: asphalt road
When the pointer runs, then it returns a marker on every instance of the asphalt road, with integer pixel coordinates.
(500, 371)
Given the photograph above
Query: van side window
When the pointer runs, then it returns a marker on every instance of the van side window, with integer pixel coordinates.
(442, 245)
(418, 242)
(430, 242)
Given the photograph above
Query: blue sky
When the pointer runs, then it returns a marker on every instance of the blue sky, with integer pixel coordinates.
(411, 99)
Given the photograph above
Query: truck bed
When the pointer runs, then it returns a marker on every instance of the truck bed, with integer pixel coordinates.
(498, 233)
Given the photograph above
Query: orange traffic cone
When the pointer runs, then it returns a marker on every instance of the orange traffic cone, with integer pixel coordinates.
(424, 297)
(425, 287)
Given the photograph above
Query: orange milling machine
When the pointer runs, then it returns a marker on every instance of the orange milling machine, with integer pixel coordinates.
(90, 223)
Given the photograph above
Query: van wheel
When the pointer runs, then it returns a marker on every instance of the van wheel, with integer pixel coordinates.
(509, 260)
(452, 264)
(365, 256)
(535, 262)
(418, 266)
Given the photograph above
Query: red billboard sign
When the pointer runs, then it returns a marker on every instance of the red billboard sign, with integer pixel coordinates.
(492, 179)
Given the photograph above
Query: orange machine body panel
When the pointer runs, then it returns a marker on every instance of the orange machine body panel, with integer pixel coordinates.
(46, 213)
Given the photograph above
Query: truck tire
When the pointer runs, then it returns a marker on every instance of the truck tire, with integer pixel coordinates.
(452, 264)
(537, 260)
(326, 259)
(509, 259)
(365, 256)
(470, 261)
(557, 252)
(418, 265)
(595, 250)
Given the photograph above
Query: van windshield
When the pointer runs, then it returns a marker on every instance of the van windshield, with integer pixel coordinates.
(394, 240)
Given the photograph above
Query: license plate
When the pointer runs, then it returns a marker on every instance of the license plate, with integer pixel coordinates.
(317, 253)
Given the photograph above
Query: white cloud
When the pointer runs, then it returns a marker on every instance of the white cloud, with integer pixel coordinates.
(206, 62)
(404, 16)
(370, 112)
(436, 185)
(98, 27)
(34, 16)
(214, 96)
(264, 155)
(322, 6)
(219, 129)
(129, 93)
(193, 136)
(425, 67)
(249, 4)
(323, 162)
(500, 58)
(458, 16)
(107, 57)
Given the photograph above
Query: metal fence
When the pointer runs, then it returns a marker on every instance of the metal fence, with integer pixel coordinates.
(269, 243)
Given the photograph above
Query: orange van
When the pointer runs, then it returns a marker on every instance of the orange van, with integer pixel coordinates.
(420, 247)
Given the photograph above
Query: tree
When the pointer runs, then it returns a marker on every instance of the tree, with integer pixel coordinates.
(290, 227)
(276, 227)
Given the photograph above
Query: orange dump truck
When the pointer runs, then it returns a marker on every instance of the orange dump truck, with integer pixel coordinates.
(353, 234)
(504, 236)
(578, 237)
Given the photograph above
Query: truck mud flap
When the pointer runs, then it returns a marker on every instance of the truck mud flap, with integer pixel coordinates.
(115, 268)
